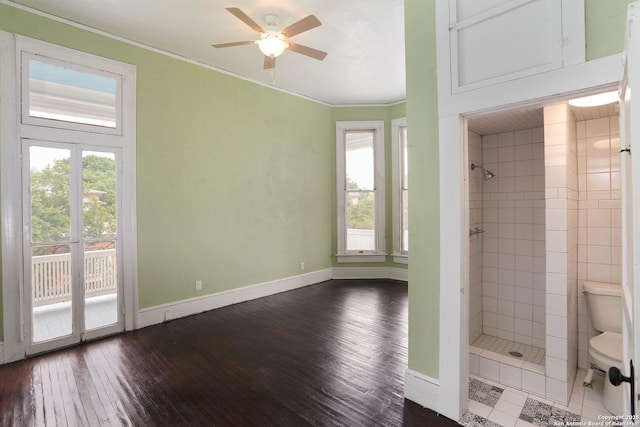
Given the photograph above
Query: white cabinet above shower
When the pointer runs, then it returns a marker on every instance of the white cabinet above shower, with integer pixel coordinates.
(543, 35)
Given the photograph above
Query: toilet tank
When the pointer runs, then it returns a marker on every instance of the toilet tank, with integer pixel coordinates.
(605, 306)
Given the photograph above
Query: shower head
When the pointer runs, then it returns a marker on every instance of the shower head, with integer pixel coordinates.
(486, 175)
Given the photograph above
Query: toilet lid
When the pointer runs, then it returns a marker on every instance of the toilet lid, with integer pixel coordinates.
(608, 344)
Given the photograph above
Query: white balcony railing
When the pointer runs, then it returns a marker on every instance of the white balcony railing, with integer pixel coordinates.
(51, 276)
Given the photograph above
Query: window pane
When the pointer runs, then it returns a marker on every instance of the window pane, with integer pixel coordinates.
(51, 287)
(99, 194)
(404, 156)
(361, 221)
(68, 95)
(405, 220)
(100, 285)
(50, 194)
(359, 160)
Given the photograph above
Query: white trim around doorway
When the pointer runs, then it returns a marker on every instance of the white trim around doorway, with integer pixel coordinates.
(12, 130)
(454, 205)
(453, 109)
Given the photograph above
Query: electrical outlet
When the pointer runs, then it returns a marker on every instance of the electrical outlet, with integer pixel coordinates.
(301, 266)
(198, 285)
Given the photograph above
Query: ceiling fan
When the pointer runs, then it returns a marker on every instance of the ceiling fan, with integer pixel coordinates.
(273, 43)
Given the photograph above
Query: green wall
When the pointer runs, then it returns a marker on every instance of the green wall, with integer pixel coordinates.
(232, 178)
(605, 23)
(424, 211)
(386, 114)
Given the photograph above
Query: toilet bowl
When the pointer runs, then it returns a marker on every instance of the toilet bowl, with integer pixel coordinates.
(605, 350)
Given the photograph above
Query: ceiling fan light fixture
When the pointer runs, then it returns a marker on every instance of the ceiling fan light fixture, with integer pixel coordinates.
(272, 44)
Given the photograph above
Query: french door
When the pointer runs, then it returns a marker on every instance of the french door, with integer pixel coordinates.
(71, 223)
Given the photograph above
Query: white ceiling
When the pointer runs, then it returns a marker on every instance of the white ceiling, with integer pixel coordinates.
(364, 39)
(529, 118)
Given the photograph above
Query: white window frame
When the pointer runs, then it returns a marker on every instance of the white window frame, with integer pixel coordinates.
(567, 31)
(69, 60)
(379, 253)
(399, 255)
(13, 130)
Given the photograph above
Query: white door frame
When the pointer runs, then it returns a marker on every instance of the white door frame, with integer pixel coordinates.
(539, 89)
(454, 242)
(12, 131)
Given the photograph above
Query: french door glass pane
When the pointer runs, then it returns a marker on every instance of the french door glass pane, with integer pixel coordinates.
(100, 256)
(100, 284)
(51, 289)
(361, 221)
(99, 195)
(50, 178)
(70, 95)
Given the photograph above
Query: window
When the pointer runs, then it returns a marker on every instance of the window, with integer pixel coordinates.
(361, 196)
(71, 92)
(400, 192)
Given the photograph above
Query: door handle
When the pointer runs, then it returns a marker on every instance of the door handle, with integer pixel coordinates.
(616, 378)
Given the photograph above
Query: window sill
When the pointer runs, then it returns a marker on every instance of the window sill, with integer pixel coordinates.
(401, 258)
(361, 258)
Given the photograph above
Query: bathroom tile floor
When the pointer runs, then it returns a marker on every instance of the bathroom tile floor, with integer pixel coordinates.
(495, 405)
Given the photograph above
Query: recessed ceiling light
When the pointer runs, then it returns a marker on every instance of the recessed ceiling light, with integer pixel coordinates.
(596, 100)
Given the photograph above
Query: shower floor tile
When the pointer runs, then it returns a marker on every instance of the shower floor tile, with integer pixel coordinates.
(505, 347)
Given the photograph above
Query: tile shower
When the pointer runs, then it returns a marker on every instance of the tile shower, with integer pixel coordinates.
(547, 221)
(507, 259)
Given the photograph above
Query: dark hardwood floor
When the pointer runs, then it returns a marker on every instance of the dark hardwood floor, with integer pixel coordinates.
(332, 354)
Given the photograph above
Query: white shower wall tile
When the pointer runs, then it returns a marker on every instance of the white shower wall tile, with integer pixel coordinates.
(557, 391)
(533, 382)
(515, 254)
(489, 369)
(476, 258)
(562, 232)
(598, 127)
(599, 215)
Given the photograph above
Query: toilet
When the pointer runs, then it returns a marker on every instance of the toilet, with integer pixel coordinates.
(605, 350)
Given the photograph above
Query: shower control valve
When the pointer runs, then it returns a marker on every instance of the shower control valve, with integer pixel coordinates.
(475, 232)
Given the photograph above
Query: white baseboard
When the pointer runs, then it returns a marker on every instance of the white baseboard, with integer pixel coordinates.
(174, 310)
(422, 389)
(370, 273)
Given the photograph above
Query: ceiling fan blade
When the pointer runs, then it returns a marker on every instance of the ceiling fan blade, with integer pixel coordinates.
(269, 62)
(305, 24)
(219, 45)
(244, 18)
(309, 51)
